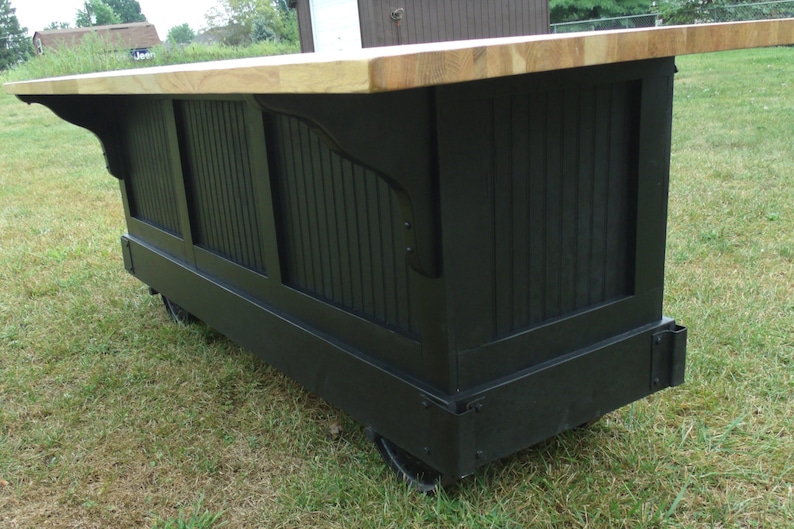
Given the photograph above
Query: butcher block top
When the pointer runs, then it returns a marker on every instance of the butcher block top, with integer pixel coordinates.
(386, 69)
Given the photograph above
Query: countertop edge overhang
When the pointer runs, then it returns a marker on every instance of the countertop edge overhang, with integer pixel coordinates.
(393, 68)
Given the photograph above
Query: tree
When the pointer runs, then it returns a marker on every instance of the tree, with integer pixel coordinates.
(57, 25)
(683, 11)
(288, 29)
(574, 10)
(261, 30)
(96, 13)
(700, 11)
(181, 34)
(235, 20)
(127, 10)
(14, 43)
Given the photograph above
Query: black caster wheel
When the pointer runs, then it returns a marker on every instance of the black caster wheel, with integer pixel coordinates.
(177, 313)
(409, 469)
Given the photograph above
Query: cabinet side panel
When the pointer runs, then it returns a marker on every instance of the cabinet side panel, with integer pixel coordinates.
(539, 203)
(341, 230)
(564, 187)
(219, 180)
(148, 177)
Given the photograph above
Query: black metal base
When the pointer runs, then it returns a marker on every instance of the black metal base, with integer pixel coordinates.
(453, 434)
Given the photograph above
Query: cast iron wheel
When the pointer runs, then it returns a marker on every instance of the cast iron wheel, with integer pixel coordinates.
(409, 469)
(177, 313)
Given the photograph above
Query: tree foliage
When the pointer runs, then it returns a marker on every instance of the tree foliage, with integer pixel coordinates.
(289, 21)
(702, 11)
(181, 34)
(105, 12)
(261, 30)
(574, 10)
(242, 22)
(14, 43)
(96, 13)
(127, 10)
(57, 25)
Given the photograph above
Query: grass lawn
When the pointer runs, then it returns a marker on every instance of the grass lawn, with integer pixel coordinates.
(113, 417)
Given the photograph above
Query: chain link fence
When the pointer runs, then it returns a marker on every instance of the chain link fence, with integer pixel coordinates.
(634, 21)
(686, 13)
(694, 14)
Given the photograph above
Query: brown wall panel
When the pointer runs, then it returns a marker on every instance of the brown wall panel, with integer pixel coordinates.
(443, 20)
(418, 21)
(305, 25)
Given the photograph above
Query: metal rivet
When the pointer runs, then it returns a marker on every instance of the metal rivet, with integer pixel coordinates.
(656, 381)
(479, 454)
(407, 225)
(425, 404)
(409, 250)
(427, 450)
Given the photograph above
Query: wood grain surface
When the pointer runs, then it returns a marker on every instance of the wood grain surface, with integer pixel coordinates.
(400, 67)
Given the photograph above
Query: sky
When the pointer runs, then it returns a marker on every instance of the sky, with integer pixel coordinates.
(164, 14)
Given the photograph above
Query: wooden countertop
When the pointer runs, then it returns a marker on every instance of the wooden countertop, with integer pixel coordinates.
(399, 67)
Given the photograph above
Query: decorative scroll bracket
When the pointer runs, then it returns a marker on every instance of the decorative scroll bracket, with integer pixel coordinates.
(102, 121)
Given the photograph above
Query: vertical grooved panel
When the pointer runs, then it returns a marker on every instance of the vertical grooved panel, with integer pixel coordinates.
(149, 176)
(340, 228)
(584, 200)
(542, 191)
(519, 219)
(563, 186)
(552, 221)
(536, 211)
(220, 181)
